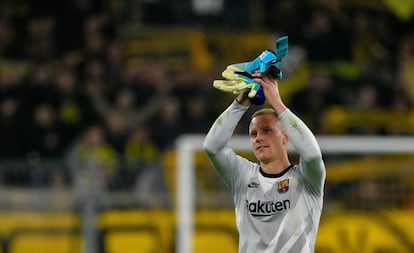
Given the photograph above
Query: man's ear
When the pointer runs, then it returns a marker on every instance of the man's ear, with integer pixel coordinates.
(285, 138)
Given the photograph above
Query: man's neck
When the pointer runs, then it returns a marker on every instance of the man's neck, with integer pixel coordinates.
(275, 167)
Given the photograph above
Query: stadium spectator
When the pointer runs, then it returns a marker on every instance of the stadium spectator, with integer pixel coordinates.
(168, 124)
(405, 55)
(139, 151)
(11, 111)
(124, 113)
(197, 115)
(43, 134)
(92, 160)
(73, 107)
(41, 44)
(38, 86)
(10, 133)
(143, 168)
(52, 52)
(324, 37)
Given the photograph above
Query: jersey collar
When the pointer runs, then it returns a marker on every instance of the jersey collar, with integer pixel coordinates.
(275, 175)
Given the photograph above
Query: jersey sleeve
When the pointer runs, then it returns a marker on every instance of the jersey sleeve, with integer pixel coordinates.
(224, 159)
(305, 143)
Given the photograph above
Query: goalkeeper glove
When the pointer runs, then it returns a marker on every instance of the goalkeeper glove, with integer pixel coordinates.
(239, 76)
(269, 61)
(237, 80)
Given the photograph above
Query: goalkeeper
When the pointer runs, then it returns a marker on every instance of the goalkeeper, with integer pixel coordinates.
(277, 204)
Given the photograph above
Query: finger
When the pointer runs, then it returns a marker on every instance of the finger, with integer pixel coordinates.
(252, 93)
(257, 74)
(254, 87)
(259, 80)
(265, 78)
(229, 72)
(233, 86)
(222, 85)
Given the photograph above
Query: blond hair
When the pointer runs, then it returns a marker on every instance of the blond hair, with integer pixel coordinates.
(265, 111)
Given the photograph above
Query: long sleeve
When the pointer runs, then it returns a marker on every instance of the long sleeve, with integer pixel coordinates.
(224, 159)
(307, 147)
(223, 128)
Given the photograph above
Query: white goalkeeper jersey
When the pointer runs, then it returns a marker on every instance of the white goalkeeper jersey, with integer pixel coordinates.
(285, 218)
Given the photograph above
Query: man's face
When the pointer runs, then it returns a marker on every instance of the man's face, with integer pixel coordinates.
(267, 137)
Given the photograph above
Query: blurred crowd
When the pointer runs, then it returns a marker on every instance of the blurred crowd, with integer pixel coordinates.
(67, 91)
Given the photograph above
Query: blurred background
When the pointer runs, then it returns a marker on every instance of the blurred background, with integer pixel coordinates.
(95, 93)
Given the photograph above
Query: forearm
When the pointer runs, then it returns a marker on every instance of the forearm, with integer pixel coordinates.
(224, 159)
(101, 105)
(311, 162)
(300, 136)
(223, 128)
(142, 115)
(277, 105)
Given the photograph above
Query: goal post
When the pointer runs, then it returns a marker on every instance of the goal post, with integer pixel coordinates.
(187, 145)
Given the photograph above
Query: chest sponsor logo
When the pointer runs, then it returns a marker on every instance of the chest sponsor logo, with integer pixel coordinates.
(283, 186)
(267, 208)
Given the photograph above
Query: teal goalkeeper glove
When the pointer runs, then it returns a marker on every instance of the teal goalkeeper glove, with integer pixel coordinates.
(239, 76)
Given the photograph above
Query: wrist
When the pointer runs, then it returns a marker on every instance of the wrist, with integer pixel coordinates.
(242, 99)
(279, 107)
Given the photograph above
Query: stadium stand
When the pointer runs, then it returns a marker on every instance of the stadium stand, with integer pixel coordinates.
(130, 241)
(362, 231)
(45, 243)
(349, 72)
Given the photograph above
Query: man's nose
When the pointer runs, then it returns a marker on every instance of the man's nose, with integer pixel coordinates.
(259, 137)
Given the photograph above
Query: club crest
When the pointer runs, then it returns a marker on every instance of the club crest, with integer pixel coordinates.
(283, 186)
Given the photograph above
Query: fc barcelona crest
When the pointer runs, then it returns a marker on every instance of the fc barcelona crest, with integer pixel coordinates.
(283, 186)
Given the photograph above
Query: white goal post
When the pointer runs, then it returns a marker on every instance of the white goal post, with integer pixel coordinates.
(187, 145)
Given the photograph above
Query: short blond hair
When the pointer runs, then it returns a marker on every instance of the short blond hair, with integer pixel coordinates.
(265, 111)
(268, 111)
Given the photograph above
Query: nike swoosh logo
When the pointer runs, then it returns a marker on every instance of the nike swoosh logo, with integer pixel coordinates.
(253, 185)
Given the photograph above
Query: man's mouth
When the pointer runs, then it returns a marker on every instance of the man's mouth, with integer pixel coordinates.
(261, 147)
